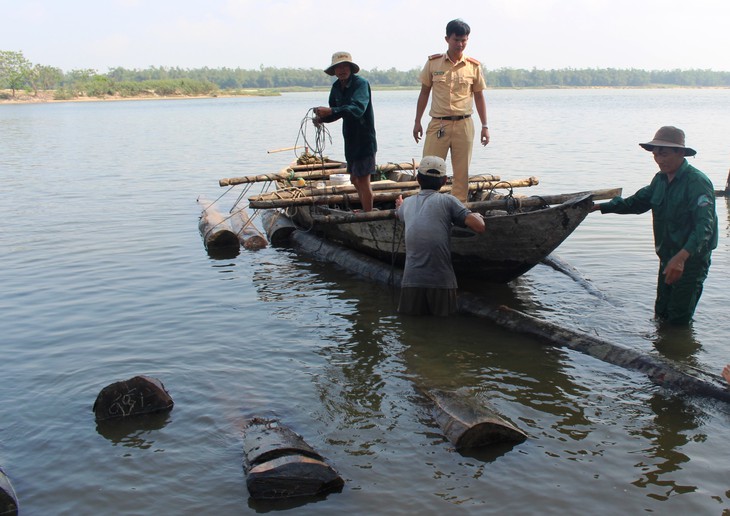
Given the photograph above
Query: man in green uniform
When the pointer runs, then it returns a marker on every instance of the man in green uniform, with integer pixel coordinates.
(682, 202)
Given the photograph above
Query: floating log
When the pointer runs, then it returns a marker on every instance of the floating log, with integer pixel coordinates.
(325, 196)
(277, 226)
(250, 237)
(479, 206)
(8, 498)
(137, 396)
(660, 371)
(280, 464)
(216, 230)
(469, 424)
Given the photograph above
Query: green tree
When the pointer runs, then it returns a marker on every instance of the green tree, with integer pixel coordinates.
(14, 70)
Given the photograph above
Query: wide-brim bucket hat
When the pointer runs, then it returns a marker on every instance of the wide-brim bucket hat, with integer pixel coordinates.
(341, 57)
(669, 136)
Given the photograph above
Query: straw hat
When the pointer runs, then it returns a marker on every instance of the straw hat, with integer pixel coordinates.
(432, 166)
(669, 136)
(341, 57)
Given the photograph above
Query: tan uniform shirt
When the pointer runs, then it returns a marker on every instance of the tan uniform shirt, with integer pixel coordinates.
(452, 84)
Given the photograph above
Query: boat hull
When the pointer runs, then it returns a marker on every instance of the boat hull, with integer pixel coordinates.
(512, 244)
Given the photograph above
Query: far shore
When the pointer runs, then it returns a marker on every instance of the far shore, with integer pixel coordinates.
(48, 96)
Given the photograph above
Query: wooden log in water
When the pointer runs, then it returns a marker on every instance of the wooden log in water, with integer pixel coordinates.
(134, 397)
(469, 424)
(8, 498)
(280, 464)
(278, 227)
(659, 370)
(215, 229)
(250, 237)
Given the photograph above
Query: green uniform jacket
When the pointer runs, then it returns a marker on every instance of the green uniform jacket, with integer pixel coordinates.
(354, 105)
(683, 211)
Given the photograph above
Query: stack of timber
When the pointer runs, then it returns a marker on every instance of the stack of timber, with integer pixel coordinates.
(280, 464)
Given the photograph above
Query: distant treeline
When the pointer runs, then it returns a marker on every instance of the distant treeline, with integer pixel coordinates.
(19, 74)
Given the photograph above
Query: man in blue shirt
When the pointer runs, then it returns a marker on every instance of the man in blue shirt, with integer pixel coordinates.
(351, 100)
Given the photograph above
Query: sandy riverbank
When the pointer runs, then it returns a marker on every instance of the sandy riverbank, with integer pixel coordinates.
(22, 97)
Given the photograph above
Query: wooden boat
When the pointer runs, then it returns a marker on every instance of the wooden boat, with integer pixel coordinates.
(521, 231)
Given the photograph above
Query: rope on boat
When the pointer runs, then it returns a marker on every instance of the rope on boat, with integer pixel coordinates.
(321, 135)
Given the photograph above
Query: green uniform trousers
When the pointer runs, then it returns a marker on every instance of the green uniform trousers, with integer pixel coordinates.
(676, 303)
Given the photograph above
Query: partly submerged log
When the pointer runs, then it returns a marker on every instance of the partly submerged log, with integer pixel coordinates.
(280, 464)
(277, 226)
(250, 237)
(660, 371)
(215, 229)
(469, 424)
(8, 498)
(137, 396)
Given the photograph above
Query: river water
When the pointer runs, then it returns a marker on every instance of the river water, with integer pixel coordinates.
(104, 276)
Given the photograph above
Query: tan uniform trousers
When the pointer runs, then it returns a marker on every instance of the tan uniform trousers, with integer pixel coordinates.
(458, 137)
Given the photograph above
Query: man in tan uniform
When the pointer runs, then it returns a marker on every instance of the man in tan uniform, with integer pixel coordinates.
(455, 80)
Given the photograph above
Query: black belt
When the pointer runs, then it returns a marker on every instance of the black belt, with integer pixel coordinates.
(460, 117)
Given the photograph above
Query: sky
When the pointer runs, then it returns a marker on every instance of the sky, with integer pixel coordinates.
(380, 34)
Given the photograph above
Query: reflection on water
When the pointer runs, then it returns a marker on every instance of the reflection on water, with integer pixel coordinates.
(135, 432)
(678, 343)
(670, 430)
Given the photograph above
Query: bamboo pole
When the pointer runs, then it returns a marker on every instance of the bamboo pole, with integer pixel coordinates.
(296, 192)
(287, 148)
(480, 206)
(313, 171)
(325, 196)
